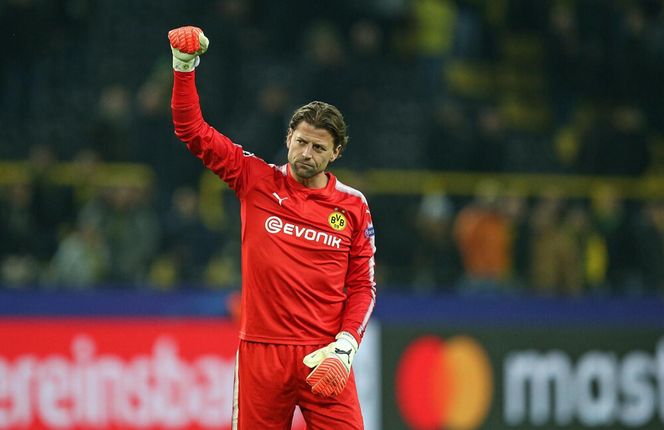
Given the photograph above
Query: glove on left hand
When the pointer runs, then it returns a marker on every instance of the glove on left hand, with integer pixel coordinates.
(331, 365)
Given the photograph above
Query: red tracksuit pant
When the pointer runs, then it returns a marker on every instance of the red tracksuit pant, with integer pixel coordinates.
(270, 382)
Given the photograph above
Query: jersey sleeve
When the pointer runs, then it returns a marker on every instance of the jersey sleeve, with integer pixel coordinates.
(229, 161)
(360, 283)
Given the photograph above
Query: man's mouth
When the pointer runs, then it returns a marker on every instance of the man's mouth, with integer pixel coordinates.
(302, 164)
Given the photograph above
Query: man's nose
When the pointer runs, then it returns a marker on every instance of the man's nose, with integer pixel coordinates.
(306, 152)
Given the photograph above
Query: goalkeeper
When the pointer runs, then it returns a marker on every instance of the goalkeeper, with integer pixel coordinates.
(307, 260)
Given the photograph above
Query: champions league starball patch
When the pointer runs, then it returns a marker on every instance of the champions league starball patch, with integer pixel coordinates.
(337, 220)
(370, 231)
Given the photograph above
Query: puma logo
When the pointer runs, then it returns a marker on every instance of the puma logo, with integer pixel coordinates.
(341, 352)
(279, 199)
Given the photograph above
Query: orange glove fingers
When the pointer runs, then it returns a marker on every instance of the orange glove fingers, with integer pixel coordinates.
(329, 378)
(185, 39)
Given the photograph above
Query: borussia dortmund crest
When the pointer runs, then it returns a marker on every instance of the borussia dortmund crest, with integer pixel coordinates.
(337, 220)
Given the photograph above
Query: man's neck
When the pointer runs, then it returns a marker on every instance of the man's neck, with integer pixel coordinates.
(316, 182)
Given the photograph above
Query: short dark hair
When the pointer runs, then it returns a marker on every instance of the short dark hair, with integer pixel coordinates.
(325, 116)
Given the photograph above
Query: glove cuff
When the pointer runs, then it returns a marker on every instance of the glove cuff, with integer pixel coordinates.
(344, 335)
(185, 66)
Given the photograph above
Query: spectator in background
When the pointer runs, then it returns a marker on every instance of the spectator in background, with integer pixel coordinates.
(514, 206)
(434, 23)
(187, 244)
(222, 268)
(111, 128)
(609, 215)
(130, 228)
(649, 234)
(51, 203)
(555, 269)
(20, 241)
(82, 259)
(481, 232)
(544, 234)
(586, 252)
(436, 263)
(86, 163)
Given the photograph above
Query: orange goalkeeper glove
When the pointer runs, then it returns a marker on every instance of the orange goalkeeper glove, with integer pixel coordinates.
(331, 365)
(187, 43)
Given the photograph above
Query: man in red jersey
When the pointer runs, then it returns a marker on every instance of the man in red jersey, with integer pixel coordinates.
(307, 260)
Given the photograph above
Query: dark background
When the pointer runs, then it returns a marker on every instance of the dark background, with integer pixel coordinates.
(549, 110)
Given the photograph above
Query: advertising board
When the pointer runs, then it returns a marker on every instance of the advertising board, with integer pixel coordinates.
(522, 378)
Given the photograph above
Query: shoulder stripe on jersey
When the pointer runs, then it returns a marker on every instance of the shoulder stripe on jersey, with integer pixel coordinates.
(281, 168)
(340, 186)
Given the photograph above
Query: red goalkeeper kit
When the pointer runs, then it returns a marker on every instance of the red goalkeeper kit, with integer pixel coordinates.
(307, 270)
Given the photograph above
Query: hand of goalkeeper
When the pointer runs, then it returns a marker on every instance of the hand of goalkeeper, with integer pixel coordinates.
(331, 365)
(187, 43)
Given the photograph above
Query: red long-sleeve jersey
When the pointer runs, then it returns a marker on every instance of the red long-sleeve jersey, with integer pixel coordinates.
(307, 254)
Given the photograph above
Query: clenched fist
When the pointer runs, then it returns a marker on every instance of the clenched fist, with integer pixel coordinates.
(187, 43)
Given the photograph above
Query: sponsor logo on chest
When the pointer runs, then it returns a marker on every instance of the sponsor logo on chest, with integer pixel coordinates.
(276, 225)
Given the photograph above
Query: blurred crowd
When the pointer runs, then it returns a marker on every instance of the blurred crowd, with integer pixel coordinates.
(510, 86)
(498, 241)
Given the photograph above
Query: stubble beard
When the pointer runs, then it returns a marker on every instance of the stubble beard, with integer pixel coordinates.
(305, 172)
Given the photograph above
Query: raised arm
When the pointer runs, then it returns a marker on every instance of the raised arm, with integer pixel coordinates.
(187, 44)
(217, 152)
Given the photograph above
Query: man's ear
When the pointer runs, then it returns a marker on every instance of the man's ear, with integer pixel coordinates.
(336, 153)
(288, 137)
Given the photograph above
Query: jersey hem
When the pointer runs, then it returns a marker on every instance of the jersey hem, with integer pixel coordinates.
(286, 341)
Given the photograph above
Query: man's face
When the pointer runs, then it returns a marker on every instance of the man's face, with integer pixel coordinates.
(310, 150)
